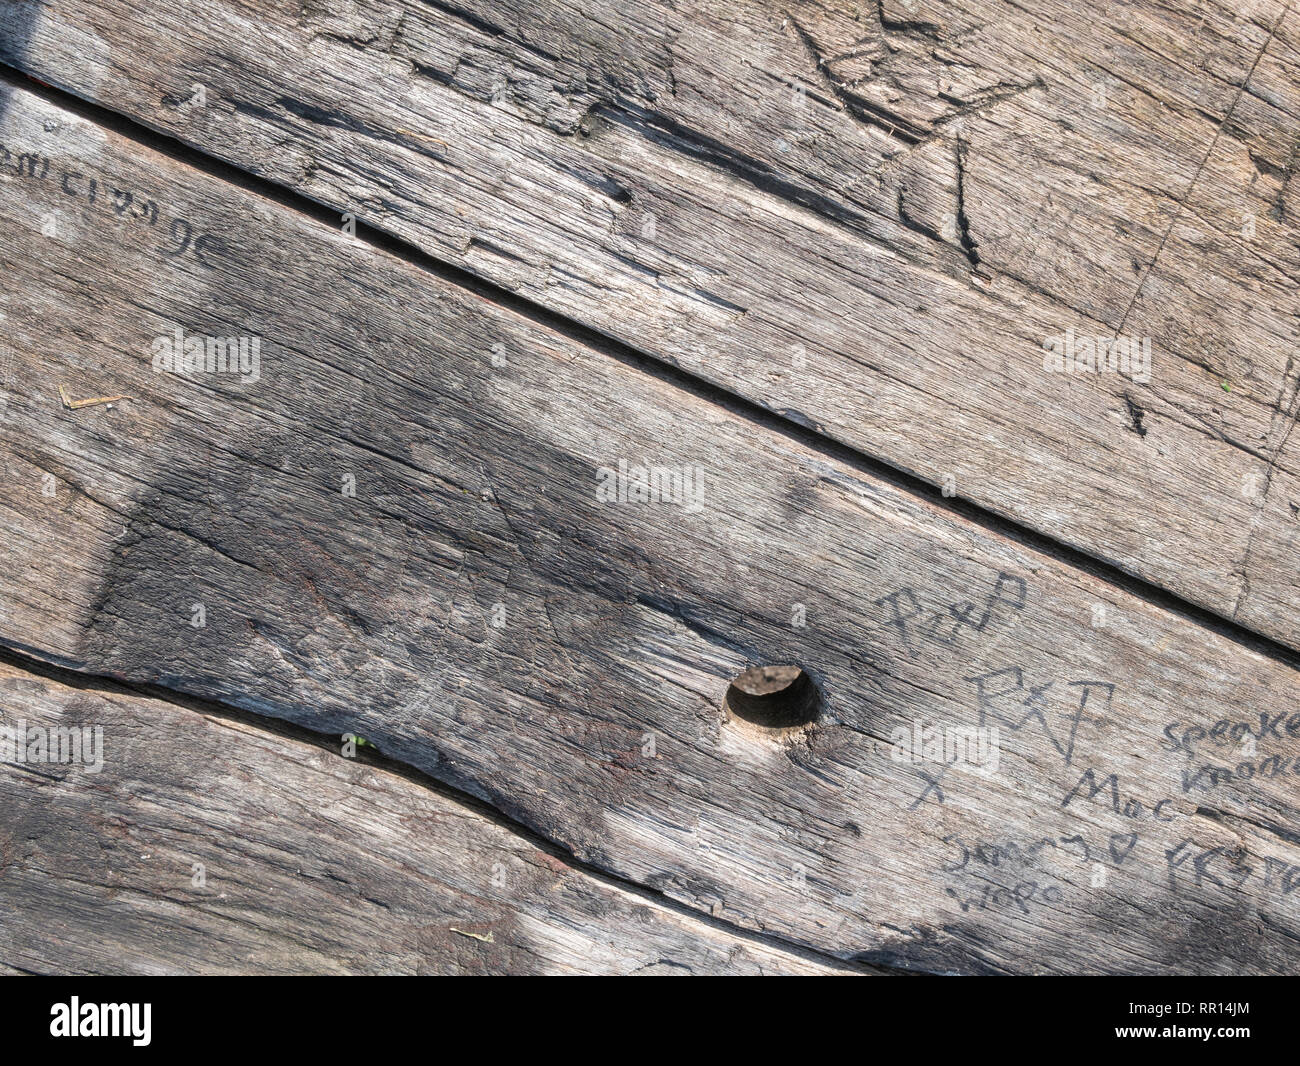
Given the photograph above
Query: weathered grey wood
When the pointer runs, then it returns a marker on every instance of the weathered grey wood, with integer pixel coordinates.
(207, 845)
(478, 612)
(867, 217)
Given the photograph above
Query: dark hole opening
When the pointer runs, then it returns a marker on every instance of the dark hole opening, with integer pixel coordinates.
(774, 697)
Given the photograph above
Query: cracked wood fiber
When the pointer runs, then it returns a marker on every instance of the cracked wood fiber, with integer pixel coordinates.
(302, 863)
(395, 531)
(867, 217)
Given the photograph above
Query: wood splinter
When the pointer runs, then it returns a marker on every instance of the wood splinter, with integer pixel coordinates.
(75, 405)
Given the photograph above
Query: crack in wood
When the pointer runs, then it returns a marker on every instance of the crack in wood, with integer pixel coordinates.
(738, 403)
(493, 814)
(1209, 152)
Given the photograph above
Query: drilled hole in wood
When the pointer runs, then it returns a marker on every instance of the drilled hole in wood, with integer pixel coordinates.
(774, 698)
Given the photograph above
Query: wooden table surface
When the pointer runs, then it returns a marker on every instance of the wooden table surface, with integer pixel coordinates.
(960, 343)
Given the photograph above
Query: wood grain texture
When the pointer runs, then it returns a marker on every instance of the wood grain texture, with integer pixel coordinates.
(395, 530)
(866, 217)
(205, 845)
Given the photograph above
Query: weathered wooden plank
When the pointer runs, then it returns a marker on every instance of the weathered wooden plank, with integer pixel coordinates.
(868, 217)
(181, 842)
(396, 530)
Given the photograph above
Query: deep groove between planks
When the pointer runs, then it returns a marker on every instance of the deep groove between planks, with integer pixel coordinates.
(786, 424)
